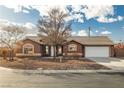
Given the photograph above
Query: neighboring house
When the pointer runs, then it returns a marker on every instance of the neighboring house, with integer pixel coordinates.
(81, 46)
(119, 50)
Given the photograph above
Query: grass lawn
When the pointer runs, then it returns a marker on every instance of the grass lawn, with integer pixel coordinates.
(25, 63)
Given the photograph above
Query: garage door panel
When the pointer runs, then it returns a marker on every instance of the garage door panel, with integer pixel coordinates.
(96, 51)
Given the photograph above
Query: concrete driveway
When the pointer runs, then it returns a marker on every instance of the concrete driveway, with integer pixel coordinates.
(113, 63)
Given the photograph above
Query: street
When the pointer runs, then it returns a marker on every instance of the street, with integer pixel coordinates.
(23, 80)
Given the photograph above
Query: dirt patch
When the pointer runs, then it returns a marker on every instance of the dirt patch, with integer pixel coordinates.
(50, 64)
(120, 58)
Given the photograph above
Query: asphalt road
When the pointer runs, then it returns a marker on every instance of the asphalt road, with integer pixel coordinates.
(10, 79)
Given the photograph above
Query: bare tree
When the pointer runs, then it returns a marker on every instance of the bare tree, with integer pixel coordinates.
(54, 29)
(10, 35)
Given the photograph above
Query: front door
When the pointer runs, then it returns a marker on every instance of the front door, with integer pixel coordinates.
(52, 51)
(46, 50)
(59, 50)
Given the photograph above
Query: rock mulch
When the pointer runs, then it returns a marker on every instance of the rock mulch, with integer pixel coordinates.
(50, 64)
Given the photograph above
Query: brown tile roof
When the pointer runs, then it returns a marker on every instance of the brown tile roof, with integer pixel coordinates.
(34, 38)
(85, 40)
(92, 40)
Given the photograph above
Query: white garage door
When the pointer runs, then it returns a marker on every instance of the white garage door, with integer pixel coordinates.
(91, 51)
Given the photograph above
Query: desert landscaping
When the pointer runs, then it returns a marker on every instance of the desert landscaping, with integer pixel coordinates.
(51, 64)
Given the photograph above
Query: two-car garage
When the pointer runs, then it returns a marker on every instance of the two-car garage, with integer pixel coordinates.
(97, 51)
(94, 46)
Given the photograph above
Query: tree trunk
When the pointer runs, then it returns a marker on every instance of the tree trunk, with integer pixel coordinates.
(4, 54)
(54, 47)
(11, 55)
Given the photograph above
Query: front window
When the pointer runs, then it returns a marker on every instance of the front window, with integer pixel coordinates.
(59, 50)
(72, 47)
(28, 49)
(47, 49)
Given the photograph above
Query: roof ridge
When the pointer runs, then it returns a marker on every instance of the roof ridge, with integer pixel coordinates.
(100, 40)
(90, 36)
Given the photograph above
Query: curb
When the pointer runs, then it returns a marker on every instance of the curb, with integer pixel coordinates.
(40, 71)
(67, 71)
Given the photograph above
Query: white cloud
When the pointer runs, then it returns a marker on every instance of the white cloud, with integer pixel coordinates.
(25, 11)
(69, 18)
(16, 8)
(96, 31)
(109, 20)
(73, 33)
(30, 28)
(120, 18)
(78, 18)
(75, 13)
(6, 22)
(105, 33)
(41, 8)
(101, 13)
(76, 8)
(80, 33)
(29, 25)
(44, 8)
(19, 8)
(106, 20)
(98, 11)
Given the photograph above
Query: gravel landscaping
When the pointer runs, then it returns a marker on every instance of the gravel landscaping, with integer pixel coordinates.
(50, 64)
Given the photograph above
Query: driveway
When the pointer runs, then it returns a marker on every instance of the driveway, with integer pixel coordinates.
(113, 63)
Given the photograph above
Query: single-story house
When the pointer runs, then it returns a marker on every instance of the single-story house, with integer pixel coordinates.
(81, 46)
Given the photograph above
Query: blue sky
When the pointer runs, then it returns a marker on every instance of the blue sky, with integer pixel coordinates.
(103, 20)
